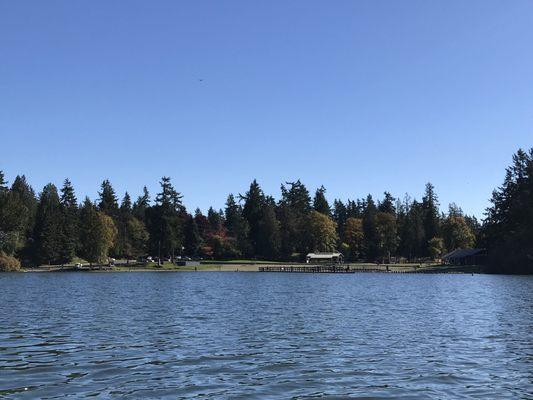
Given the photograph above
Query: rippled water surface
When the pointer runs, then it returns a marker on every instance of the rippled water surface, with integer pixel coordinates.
(261, 335)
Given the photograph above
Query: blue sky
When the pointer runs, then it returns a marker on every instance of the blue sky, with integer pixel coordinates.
(361, 96)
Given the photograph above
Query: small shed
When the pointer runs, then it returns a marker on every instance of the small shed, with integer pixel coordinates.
(333, 257)
(465, 257)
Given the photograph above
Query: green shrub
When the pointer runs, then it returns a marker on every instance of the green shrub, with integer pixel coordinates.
(8, 263)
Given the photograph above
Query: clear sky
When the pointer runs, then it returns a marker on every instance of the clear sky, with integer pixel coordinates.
(361, 96)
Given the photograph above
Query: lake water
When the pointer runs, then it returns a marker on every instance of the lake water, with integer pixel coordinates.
(260, 335)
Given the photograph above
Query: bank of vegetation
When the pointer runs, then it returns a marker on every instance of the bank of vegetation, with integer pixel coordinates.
(54, 228)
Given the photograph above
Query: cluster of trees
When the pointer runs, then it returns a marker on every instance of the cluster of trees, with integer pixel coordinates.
(53, 228)
(508, 229)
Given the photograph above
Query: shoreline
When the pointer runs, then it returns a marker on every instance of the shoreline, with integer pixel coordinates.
(247, 267)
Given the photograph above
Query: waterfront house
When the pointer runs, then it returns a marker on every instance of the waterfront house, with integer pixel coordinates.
(465, 257)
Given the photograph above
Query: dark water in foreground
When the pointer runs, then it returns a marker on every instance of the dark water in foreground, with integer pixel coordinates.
(253, 335)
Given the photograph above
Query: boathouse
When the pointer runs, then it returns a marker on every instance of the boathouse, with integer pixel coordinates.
(333, 257)
(465, 257)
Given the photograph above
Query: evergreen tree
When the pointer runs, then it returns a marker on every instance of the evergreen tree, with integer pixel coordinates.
(22, 209)
(132, 235)
(141, 205)
(48, 233)
(296, 196)
(340, 216)
(387, 234)
(430, 205)
(370, 229)
(415, 236)
(166, 220)
(254, 201)
(70, 222)
(202, 223)
(508, 228)
(387, 205)
(293, 213)
(24, 194)
(169, 198)
(3, 182)
(320, 203)
(125, 205)
(215, 220)
(108, 199)
(269, 236)
(192, 238)
(354, 209)
(236, 226)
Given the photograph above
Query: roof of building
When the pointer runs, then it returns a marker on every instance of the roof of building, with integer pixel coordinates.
(324, 255)
(461, 253)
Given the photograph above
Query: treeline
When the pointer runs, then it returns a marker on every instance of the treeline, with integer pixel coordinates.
(54, 228)
(508, 227)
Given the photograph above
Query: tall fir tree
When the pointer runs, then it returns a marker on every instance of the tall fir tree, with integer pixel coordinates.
(430, 205)
(192, 238)
(254, 200)
(141, 205)
(70, 222)
(293, 213)
(340, 216)
(269, 236)
(387, 205)
(320, 202)
(508, 228)
(237, 227)
(108, 199)
(3, 182)
(165, 221)
(370, 229)
(48, 231)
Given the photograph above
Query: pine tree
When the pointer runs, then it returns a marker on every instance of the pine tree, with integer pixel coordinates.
(340, 216)
(125, 205)
(192, 238)
(141, 205)
(320, 203)
(508, 228)
(387, 205)
(3, 182)
(23, 207)
(70, 223)
(268, 246)
(430, 205)
(48, 232)
(108, 200)
(166, 220)
(254, 200)
(293, 213)
(169, 198)
(236, 226)
(370, 229)
(215, 220)
(24, 194)
(131, 233)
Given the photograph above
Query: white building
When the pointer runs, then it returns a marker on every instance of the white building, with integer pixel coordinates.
(333, 257)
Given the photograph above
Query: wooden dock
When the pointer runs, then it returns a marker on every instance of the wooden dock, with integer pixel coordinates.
(351, 269)
(337, 269)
